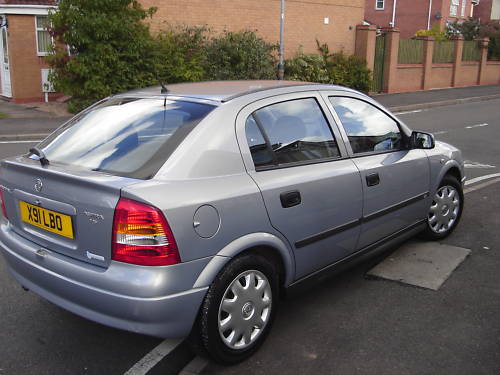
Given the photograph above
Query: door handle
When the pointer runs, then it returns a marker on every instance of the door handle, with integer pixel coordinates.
(290, 199)
(372, 179)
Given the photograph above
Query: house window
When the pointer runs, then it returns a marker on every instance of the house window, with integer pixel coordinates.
(43, 39)
(454, 8)
(464, 5)
(379, 4)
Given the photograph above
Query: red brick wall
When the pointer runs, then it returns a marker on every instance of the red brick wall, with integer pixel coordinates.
(25, 65)
(303, 19)
(483, 10)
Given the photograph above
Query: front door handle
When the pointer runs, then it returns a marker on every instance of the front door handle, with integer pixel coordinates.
(372, 179)
(290, 198)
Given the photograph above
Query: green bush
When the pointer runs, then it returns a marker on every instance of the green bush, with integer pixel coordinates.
(435, 32)
(109, 43)
(336, 68)
(178, 54)
(239, 55)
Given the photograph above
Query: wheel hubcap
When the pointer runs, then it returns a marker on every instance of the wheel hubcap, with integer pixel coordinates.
(444, 209)
(245, 309)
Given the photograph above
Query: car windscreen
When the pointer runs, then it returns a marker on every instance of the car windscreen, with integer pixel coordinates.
(131, 137)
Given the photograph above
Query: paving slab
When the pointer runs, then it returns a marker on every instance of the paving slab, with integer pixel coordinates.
(423, 264)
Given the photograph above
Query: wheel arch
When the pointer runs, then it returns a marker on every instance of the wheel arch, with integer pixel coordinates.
(264, 244)
(450, 168)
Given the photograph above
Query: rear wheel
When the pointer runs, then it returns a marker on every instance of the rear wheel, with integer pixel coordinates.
(445, 210)
(239, 309)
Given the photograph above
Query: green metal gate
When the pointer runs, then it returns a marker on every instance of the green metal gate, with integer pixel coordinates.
(378, 69)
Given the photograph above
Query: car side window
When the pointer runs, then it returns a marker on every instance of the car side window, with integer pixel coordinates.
(290, 132)
(368, 128)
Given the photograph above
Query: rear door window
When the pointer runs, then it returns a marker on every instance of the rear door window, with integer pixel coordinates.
(290, 132)
(131, 137)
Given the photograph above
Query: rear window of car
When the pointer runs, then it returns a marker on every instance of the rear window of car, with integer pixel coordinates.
(131, 137)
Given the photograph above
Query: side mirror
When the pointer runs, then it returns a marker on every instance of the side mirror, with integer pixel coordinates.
(421, 140)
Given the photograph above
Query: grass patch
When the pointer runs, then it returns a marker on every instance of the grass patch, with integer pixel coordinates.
(3, 115)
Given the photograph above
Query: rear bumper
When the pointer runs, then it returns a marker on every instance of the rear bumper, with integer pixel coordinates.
(146, 300)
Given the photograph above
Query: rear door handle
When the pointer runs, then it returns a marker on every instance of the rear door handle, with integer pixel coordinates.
(290, 198)
(372, 179)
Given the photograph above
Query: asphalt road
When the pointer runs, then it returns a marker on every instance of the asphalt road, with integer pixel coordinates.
(345, 325)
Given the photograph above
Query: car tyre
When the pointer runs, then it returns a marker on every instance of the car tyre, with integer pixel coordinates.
(239, 309)
(445, 210)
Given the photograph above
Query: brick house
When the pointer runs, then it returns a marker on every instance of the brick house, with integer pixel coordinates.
(487, 10)
(409, 16)
(24, 43)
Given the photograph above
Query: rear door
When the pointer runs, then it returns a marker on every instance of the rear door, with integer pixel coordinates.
(312, 192)
(395, 179)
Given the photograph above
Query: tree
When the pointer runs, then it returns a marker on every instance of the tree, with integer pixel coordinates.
(111, 49)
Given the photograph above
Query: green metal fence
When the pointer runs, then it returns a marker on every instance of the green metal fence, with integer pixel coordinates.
(411, 51)
(378, 69)
(472, 51)
(444, 52)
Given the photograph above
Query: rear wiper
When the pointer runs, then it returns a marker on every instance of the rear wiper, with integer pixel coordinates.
(41, 155)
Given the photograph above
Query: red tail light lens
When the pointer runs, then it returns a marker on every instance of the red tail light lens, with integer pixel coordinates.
(2, 204)
(141, 235)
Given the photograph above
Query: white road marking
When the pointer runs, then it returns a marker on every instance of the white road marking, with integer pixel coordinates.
(481, 178)
(480, 186)
(440, 132)
(475, 165)
(153, 357)
(6, 142)
(405, 112)
(196, 366)
(476, 126)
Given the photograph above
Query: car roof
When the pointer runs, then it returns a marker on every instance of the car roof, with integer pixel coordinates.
(223, 91)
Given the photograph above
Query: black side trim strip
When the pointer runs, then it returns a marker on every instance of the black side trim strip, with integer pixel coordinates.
(395, 207)
(330, 232)
(364, 250)
(327, 233)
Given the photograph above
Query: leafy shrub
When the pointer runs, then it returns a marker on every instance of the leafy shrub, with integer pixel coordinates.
(336, 68)
(307, 67)
(473, 28)
(239, 55)
(178, 54)
(109, 44)
(435, 31)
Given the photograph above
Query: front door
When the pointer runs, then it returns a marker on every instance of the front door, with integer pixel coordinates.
(4, 62)
(395, 179)
(312, 192)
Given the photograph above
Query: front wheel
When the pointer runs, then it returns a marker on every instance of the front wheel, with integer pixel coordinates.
(239, 309)
(445, 210)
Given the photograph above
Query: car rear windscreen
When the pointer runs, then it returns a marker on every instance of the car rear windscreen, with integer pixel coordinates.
(131, 137)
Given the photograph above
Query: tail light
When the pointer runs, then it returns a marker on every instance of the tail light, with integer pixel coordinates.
(2, 204)
(141, 235)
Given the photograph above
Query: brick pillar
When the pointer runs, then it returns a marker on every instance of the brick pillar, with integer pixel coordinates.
(391, 57)
(365, 44)
(428, 51)
(457, 60)
(483, 43)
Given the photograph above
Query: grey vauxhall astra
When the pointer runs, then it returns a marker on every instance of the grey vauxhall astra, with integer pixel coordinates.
(187, 211)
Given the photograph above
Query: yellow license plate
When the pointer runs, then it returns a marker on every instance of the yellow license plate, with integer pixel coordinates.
(46, 219)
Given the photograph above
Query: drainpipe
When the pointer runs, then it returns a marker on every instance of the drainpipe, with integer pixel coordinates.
(429, 16)
(394, 4)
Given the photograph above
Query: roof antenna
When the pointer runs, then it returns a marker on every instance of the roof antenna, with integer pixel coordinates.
(164, 89)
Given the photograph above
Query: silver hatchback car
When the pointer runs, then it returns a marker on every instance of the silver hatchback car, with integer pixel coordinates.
(189, 211)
